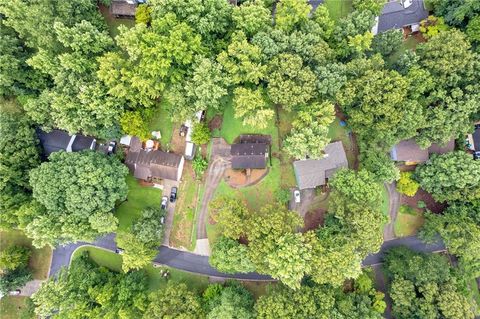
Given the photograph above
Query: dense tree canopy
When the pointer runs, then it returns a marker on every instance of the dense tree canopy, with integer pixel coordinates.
(78, 191)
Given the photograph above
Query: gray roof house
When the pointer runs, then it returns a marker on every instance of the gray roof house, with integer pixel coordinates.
(249, 155)
(409, 152)
(58, 140)
(312, 173)
(397, 14)
(155, 165)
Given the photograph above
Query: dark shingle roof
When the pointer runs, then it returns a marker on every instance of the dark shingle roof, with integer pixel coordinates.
(156, 164)
(82, 143)
(249, 155)
(395, 16)
(442, 149)
(409, 151)
(476, 139)
(312, 173)
(53, 141)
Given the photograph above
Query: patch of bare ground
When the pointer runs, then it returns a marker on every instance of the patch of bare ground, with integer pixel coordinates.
(314, 219)
(215, 122)
(422, 195)
(242, 178)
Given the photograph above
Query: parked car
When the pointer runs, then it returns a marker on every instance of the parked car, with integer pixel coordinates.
(296, 195)
(164, 202)
(162, 220)
(173, 195)
(119, 251)
(15, 292)
(111, 147)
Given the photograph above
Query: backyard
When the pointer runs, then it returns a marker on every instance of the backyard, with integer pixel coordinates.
(161, 121)
(408, 221)
(14, 307)
(139, 197)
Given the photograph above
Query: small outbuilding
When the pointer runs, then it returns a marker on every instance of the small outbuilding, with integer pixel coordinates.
(312, 173)
(124, 8)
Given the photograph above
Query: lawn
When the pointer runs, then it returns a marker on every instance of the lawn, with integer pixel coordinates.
(113, 23)
(409, 220)
(338, 8)
(385, 201)
(13, 307)
(286, 167)
(185, 211)
(232, 127)
(40, 259)
(155, 281)
(139, 197)
(336, 132)
(161, 121)
(475, 294)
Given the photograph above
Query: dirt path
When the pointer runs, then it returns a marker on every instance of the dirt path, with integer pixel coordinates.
(219, 162)
(394, 200)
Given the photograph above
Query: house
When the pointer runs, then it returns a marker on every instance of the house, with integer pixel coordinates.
(473, 141)
(312, 173)
(124, 8)
(399, 14)
(58, 140)
(251, 152)
(409, 152)
(152, 165)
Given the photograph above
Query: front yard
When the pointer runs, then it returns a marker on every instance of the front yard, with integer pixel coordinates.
(161, 121)
(139, 197)
(408, 221)
(14, 307)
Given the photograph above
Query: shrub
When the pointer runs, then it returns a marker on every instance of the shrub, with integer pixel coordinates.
(421, 204)
(201, 134)
(406, 185)
(14, 257)
(143, 14)
(432, 26)
(199, 165)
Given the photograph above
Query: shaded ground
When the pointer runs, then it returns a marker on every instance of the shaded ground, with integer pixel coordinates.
(380, 284)
(422, 195)
(313, 219)
(407, 224)
(177, 143)
(112, 22)
(167, 188)
(239, 178)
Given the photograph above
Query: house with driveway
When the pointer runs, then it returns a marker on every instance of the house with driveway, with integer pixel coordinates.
(400, 14)
(251, 152)
(311, 173)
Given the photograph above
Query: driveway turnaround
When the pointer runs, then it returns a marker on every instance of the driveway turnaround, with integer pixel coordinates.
(193, 263)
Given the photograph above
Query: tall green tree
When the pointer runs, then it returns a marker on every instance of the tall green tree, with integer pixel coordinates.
(230, 215)
(251, 106)
(251, 17)
(290, 14)
(65, 186)
(14, 257)
(230, 256)
(232, 301)
(451, 176)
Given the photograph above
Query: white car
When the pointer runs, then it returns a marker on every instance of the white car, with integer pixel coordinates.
(164, 203)
(296, 195)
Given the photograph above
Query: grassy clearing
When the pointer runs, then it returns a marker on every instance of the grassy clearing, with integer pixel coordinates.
(161, 121)
(475, 294)
(408, 221)
(258, 288)
(286, 167)
(185, 211)
(385, 201)
(336, 132)
(14, 307)
(338, 8)
(113, 262)
(113, 23)
(39, 260)
(139, 197)
(232, 127)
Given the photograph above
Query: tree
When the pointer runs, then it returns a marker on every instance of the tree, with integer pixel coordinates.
(230, 214)
(234, 301)
(308, 137)
(229, 256)
(143, 14)
(87, 290)
(387, 42)
(432, 26)
(425, 286)
(141, 242)
(455, 12)
(201, 91)
(330, 79)
(451, 176)
(149, 59)
(356, 23)
(242, 61)
(289, 83)
(65, 186)
(14, 279)
(250, 105)
(14, 257)
(322, 18)
(251, 17)
(473, 29)
(199, 165)
(407, 185)
(380, 165)
(133, 123)
(374, 6)
(19, 153)
(201, 134)
(174, 301)
(291, 14)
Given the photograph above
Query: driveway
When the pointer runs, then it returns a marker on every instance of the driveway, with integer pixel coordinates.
(306, 199)
(167, 187)
(394, 205)
(219, 162)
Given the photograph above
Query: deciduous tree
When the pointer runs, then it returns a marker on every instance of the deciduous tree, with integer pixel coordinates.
(251, 106)
(230, 214)
(230, 256)
(14, 257)
(290, 14)
(407, 185)
(251, 17)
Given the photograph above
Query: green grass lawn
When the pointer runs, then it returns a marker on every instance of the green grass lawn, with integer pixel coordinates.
(185, 211)
(161, 121)
(475, 294)
(232, 127)
(113, 262)
(39, 260)
(409, 220)
(385, 201)
(139, 197)
(338, 8)
(336, 132)
(286, 167)
(14, 307)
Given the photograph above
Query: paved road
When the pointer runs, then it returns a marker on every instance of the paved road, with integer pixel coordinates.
(411, 242)
(394, 200)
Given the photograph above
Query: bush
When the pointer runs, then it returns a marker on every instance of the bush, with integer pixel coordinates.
(432, 26)
(14, 279)
(421, 204)
(405, 209)
(201, 134)
(282, 196)
(406, 185)
(199, 165)
(14, 257)
(133, 123)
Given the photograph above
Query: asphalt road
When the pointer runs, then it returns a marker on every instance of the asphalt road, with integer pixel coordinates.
(199, 264)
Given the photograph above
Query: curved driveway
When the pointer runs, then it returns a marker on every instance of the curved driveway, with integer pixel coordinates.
(199, 264)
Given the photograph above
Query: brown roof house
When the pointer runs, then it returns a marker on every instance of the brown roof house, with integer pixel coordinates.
(124, 8)
(409, 152)
(153, 165)
(251, 152)
(312, 173)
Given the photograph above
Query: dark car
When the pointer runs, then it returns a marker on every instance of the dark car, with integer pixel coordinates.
(173, 195)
